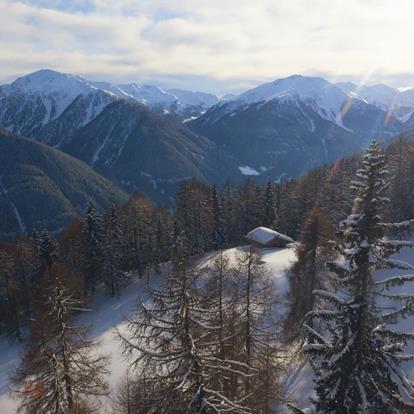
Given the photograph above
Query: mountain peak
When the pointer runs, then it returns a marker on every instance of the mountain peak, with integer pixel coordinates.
(47, 81)
(318, 92)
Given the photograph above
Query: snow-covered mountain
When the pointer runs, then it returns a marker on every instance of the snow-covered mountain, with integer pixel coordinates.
(288, 126)
(398, 103)
(326, 99)
(175, 104)
(32, 103)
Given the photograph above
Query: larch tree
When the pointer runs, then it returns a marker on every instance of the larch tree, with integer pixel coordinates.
(256, 308)
(59, 372)
(355, 350)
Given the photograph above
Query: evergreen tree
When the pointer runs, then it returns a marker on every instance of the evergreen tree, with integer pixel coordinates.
(307, 273)
(218, 231)
(91, 248)
(355, 352)
(10, 305)
(113, 248)
(47, 249)
(269, 212)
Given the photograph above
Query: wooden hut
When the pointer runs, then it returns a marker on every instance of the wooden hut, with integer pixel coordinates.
(264, 237)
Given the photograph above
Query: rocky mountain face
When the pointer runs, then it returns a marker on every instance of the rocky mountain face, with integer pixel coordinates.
(50, 106)
(142, 152)
(398, 104)
(145, 138)
(285, 127)
(42, 186)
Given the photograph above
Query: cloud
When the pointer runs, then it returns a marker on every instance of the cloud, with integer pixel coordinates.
(224, 45)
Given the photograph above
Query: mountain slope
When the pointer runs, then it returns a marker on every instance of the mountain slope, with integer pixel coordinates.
(41, 105)
(142, 151)
(288, 126)
(41, 186)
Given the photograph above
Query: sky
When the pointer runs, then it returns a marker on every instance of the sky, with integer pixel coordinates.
(211, 45)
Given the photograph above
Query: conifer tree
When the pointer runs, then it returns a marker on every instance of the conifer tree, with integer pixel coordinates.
(113, 248)
(58, 373)
(354, 348)
(47, 249)
(10, 301)
(269, 212)
(258, 338)
(217, 237)
(91, 248)
(307, 273)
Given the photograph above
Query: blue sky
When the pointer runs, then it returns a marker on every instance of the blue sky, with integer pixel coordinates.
(222, 46)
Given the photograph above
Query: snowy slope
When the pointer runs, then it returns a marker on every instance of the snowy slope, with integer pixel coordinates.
(30, 104)
(148, 94)
(110, 313)
(171, 101)
(400, 104)
(57, 90)
(324, 97)
(192, 98)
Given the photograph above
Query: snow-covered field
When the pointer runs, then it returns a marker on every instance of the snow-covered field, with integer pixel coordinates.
(110, 313)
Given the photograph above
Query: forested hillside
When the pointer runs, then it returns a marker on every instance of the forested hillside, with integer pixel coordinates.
(221, 339)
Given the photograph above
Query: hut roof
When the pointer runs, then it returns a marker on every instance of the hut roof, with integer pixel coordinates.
(263, 235)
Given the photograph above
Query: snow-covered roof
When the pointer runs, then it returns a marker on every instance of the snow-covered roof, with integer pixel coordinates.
(264, 235)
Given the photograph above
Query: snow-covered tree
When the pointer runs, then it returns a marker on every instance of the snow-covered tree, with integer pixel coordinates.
(354, 349)
(177, 350)
(59, 372)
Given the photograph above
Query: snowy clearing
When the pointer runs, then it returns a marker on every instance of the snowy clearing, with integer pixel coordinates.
(110, 313)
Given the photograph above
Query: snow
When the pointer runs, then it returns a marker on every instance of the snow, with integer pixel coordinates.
(324, 97)
(110, 313)
(264, 235)
(382, 96)
(192, 98)
(246, 170)
(148, 94)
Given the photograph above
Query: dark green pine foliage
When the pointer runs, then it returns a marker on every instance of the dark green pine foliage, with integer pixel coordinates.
(91, 235)
(114, 248)
(269, 202)
(218, 238)
(47, 249)
(354, 350)
(179, 247)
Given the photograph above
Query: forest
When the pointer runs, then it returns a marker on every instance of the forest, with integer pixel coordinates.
(209, 341)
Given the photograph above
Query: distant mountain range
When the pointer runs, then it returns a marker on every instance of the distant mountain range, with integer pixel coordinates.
(145, 138)
(44, 187)
(285, 127)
